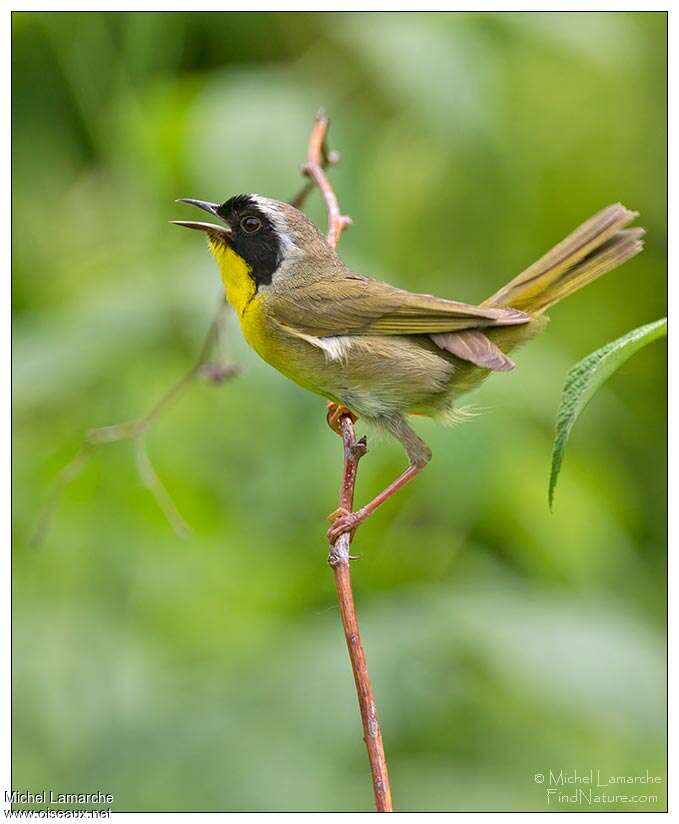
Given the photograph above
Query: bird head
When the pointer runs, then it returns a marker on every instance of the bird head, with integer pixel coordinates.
(265, 235)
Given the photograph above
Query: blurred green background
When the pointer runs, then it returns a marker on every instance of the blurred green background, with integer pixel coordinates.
(210, 673)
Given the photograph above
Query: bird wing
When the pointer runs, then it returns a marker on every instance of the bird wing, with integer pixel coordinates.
(353, 305)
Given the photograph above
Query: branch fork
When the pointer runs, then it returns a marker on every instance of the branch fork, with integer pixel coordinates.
(210, 366)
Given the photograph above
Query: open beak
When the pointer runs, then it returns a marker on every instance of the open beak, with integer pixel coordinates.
(222, 233)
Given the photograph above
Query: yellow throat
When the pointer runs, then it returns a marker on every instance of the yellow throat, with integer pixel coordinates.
(241, 293)
(238, 283)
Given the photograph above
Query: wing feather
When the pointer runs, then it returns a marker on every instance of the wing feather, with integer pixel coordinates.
(354, 305)
(473, 346)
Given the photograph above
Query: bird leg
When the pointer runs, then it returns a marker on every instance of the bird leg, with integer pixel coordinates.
(334, 416)
(348, 521)
(419, 454)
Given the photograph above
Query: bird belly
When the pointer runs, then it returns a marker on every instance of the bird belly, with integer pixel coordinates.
(382, 376)
(376, 376)
(291, 356)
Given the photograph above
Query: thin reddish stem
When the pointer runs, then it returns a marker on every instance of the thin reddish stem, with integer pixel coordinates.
(338, 557)
(339, 560)
(317, 158)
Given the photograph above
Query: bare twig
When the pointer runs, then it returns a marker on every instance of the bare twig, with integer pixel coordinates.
(215, 371)
(318, 158)
(155, 486)
(338, 557)
(327, 158)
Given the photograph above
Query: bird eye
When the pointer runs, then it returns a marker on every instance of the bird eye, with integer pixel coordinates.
(250, 224)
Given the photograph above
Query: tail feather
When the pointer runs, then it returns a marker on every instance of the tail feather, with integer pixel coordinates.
(596, 247)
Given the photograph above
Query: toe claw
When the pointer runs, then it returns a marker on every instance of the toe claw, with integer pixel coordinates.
(346, 522)
(334, 416)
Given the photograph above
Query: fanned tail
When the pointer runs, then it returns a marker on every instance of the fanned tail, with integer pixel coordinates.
(596, 247)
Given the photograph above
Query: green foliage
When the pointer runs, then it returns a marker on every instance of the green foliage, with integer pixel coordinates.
(210, 673)
(586, 377)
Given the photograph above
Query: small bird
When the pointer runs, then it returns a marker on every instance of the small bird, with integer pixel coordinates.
(374, 350)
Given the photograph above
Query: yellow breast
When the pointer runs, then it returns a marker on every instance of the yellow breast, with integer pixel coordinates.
(241, 293)
(293, 357)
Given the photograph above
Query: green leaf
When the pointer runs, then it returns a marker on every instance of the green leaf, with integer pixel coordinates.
(586, 377)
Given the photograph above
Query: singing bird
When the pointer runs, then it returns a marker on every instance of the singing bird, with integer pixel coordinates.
(380, 352)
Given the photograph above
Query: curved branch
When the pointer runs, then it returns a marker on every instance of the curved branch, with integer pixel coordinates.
(318, 158)
(215, 371)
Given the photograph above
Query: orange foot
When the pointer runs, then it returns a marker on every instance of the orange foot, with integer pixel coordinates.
(334, 416)
(344, 521)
